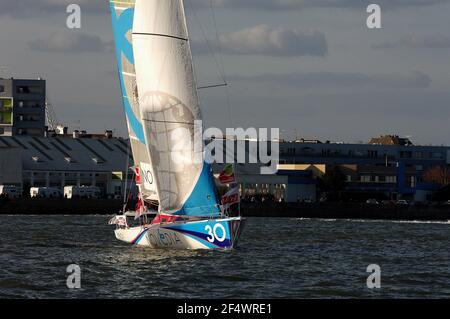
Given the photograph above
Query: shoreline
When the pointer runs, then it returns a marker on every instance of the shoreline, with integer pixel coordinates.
(313, 211)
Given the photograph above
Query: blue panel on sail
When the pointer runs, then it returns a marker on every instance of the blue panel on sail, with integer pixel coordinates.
(121, 26)
(203, 200)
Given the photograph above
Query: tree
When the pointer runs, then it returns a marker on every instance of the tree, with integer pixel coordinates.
(437, 175)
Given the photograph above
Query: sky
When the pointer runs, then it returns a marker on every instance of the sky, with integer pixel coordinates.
(309, 67)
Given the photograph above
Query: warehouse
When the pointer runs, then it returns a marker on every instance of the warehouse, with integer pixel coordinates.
(60, 160)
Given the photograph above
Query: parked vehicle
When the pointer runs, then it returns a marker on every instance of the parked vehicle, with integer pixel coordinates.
(402, 202)
(71, 192)
(372, 202)
(10, 191)
(45, 192)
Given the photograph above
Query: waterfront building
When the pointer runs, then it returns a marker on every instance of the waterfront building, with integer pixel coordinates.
(22, 107)
(65, 160)
(388, 167)
(381, 169)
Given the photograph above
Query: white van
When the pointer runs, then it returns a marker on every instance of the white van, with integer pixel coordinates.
(10, 191)
(71, 192)
(45, 192)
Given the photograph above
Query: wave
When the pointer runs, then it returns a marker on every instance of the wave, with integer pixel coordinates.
(377, 221)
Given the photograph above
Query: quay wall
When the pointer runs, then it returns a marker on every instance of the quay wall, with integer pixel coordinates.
(323, 210)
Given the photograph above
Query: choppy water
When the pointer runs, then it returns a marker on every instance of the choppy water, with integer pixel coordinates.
(278, 258)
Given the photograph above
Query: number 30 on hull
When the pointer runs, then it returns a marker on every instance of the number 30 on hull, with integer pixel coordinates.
(204, 234)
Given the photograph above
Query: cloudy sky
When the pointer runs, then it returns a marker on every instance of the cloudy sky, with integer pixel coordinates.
(309, 67)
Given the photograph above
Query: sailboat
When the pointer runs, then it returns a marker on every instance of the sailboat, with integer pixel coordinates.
(161, 103)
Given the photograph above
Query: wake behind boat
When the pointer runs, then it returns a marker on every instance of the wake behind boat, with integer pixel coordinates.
(161, 103)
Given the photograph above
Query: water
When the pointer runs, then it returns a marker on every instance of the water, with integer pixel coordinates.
(278, 258)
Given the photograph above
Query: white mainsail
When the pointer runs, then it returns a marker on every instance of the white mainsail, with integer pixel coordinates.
(169, 107)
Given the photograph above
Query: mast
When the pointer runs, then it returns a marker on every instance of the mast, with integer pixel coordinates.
(169, 107)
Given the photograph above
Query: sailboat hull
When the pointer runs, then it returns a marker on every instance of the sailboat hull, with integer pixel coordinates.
(197, 235)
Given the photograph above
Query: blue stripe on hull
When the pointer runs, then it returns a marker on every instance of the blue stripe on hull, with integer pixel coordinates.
(214, 234)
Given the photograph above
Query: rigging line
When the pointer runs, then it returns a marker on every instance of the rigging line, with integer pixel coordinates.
(169, 122)
(220, 64)
(227, 94)
(207, 41)
(212, 86)
(126, 177)
(130, 188)
(219, 45)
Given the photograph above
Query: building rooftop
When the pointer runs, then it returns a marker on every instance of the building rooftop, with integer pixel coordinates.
(390, 140)
(64, 153)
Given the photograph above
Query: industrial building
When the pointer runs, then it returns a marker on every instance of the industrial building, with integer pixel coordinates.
(22, 107)
(65, 160)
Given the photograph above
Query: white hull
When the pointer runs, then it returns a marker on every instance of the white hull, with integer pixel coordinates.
(205, 234)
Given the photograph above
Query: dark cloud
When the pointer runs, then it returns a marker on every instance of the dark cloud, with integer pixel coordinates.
(320, 80)
(70, 42)
(417, 42)
(35, 8)
(288, 5)
(264, 40)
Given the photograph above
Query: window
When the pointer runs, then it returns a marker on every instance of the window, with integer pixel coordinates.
(5, 118)
(2, 131)
(6, 103)
(29, 118)
(2, 89)
(365, 178)
(418, 155)
(349, 178)
(33, 104)
(391, 179)
(406, 154)
(372, 154)
(29, 90)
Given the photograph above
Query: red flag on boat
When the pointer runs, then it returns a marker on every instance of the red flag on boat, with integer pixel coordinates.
(138, 176)
(140, 207)
(227, 176)
(230, 198)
